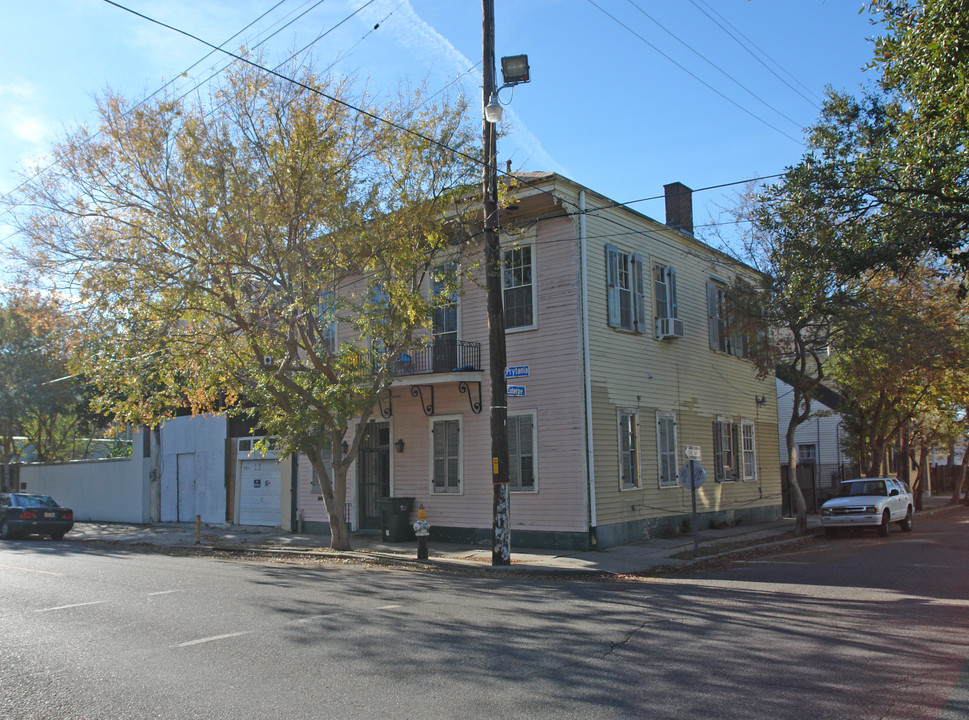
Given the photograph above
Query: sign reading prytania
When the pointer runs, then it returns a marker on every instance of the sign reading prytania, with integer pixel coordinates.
(516, 372)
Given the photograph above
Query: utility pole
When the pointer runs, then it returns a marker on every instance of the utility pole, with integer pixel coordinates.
(501, 515)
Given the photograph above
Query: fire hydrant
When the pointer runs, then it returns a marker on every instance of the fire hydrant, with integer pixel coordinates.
(422, 529)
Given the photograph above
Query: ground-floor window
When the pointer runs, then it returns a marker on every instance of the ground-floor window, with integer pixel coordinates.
(725, 443)
(666, 448)
(446, 455)
(748, 448)
(521, 452)
(628, 449)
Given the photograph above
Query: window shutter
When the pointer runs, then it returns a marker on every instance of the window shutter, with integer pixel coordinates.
(639, 299)
(671, 292)
(735, 440)
(612, 285)
(717, 453)
(713, 316)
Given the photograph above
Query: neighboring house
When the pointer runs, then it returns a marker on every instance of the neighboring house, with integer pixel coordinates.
(818, 441)
(620, 353)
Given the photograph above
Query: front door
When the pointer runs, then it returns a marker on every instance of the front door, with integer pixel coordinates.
(373, 476)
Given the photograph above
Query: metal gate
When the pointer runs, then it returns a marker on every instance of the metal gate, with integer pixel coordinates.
(373, 476)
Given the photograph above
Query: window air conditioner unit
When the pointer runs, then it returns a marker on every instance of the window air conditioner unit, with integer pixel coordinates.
(669, 328)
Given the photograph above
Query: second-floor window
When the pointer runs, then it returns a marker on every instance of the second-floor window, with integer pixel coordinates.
(664, 282)
(725, 334)
(517, 278)
(624, 290)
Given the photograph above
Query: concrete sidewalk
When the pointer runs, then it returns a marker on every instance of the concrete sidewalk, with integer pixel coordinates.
(641, 557)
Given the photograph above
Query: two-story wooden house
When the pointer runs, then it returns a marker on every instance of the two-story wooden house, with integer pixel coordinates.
(620, 355)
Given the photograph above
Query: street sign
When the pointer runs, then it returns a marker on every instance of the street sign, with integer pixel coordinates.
(692, 452)
(516, 372)
(516, 391)
(692, 475)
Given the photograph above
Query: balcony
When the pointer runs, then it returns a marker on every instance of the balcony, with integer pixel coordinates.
(440, 356)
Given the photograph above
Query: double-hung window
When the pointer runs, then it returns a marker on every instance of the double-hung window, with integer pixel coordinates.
(521, 452)
(624, 290)
(517, 283)
(666, 448)
(664, 282)
(725, 335)
(748, 451)
(446, 455)
(628, 449)
(725, 447)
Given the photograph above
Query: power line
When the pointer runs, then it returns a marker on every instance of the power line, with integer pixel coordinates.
(688, 72)
(753, 55)
(716, 67)
(153, 94)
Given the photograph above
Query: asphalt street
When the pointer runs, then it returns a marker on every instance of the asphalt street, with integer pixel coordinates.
(855, 627)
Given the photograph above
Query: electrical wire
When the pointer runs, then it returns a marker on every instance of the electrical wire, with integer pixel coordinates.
(688, 72)
(716, 67)
(752, 54)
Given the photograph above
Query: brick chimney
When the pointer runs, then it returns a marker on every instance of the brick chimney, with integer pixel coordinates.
(679, 207)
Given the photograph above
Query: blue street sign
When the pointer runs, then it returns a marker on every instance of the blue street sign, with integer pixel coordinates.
(516, 391)
(516, 372)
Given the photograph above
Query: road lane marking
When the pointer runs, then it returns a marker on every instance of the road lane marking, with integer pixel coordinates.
(164, 592)
(212, 639)
(39, 572)
(389, 607)
(309, 618)
(68, 607)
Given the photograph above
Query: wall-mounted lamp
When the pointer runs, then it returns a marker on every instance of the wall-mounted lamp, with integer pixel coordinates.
(760, 400)
(399, 445)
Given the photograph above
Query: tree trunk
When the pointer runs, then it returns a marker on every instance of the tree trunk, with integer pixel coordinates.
(960, 478)
(334, 491)
(922, 479)
(800, 508)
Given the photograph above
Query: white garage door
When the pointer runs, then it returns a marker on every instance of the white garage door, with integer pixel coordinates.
(260, 492)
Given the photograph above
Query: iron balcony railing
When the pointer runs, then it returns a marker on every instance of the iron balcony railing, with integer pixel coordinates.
(443, 355)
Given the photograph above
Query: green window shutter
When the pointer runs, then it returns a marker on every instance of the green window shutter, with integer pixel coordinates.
(612, 285)
(639, 295)
(713, 316)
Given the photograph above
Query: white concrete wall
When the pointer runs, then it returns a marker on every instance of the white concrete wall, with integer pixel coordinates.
(104, 490)
(203, 437)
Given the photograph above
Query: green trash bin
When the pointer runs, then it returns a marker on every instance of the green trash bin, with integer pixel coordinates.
(395, 522)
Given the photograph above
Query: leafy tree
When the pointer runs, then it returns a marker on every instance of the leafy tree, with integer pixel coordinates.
(38, 398)
(901, 360)
(893, 159)
(215, 242)
(797, 299)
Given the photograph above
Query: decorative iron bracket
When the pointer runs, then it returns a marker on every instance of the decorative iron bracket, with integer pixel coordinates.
(418, 391)
(465, 387)
(386, 413)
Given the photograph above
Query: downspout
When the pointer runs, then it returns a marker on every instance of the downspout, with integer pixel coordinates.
(586, 369)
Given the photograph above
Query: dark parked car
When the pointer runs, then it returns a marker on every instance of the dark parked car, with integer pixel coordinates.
(23, 514)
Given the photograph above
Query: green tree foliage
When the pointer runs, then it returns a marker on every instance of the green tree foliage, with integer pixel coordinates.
(902, 361)
(41, 404)
(893, 160)
(215, 242)
(797, 298)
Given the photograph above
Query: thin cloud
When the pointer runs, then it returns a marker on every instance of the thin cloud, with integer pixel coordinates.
(411, 31)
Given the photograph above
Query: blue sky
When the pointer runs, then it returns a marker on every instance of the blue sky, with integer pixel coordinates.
(626, 95)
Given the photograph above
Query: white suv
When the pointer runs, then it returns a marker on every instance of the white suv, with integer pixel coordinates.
(869, 502)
